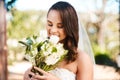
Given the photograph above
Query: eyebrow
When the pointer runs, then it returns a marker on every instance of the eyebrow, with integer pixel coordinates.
(51, 22)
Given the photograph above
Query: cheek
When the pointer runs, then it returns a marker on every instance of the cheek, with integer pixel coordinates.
(63, 34)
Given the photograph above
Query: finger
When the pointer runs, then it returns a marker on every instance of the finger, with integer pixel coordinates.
(26, 75)
(39, 77)
(40, 70)
(31, 74)
(33, 79)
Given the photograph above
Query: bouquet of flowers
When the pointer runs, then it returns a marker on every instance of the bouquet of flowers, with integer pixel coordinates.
(43, 52)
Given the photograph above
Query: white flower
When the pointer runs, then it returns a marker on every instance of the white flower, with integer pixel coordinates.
(43, 33)
(45, 50)
(42, 36)
(34, 52)
(30, 58)
(52, 59)
(54, 39)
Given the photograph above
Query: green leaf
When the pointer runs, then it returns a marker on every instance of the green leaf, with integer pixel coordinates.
(24, 43)
(39, 46)
(54, 49)
(29, 41)
(34, 37)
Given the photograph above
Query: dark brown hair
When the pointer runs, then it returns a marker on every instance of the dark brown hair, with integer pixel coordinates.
(70, 23)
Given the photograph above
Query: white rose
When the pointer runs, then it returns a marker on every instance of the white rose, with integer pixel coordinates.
(54, 39)
(52, 59)
(42, 36)
(43, 33)
(30, 58)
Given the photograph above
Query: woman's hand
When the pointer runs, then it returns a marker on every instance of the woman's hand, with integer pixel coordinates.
(45, 76)
(32, 76)
(28, 74)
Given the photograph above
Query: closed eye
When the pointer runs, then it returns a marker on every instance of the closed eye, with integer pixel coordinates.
(60, 25)
(50, 25)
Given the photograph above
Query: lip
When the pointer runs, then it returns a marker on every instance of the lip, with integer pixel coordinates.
(55, 35)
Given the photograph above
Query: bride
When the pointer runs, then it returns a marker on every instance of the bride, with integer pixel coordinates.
(62, 21)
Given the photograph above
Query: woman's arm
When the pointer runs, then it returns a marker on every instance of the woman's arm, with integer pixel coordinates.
(84, 67)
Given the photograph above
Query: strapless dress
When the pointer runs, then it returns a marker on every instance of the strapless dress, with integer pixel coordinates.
(63, 74)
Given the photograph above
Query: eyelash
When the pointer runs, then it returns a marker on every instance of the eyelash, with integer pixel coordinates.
(60, 26)
(52, 25)
(49, 24)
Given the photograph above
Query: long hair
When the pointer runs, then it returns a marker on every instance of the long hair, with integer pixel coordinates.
(70, 23)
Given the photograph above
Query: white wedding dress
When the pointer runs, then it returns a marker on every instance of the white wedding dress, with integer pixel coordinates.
(63, 74)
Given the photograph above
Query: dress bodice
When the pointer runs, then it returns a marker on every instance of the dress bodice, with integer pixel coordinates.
(63, 74)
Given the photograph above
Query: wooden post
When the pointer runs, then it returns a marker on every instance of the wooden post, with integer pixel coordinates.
(3, 47)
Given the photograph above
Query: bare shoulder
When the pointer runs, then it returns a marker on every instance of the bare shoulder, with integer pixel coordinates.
(83, 58)
(84, 66)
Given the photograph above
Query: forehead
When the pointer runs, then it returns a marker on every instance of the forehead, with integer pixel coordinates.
(54, 15)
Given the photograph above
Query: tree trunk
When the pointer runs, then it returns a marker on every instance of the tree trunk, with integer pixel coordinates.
(101, 27)
(3, 47)
(100, 36)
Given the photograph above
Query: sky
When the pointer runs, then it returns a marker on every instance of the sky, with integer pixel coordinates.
(79, 5)
(46, 4)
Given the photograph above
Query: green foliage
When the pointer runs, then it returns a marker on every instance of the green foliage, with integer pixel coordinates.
(97, 50)
(110, 36)
(104, 59)
(9, 4)
(24, 24)
(21, 25)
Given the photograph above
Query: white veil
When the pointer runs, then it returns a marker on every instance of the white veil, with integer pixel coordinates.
(84, 42)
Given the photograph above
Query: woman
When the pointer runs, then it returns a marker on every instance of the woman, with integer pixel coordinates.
(62, 21)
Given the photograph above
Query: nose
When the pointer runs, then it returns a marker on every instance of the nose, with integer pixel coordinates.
(54, 30)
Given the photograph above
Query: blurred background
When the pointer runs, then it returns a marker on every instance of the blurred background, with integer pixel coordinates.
(24, 18)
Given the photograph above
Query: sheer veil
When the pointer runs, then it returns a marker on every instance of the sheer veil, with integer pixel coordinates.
(84, 42)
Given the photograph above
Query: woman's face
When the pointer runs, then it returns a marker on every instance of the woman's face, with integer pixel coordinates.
(54, 25)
